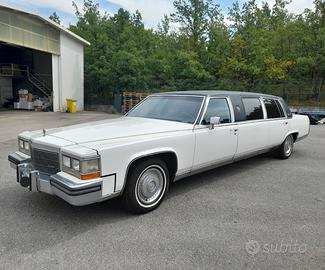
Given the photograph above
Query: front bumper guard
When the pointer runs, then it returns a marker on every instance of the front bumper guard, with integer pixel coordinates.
(73, 193)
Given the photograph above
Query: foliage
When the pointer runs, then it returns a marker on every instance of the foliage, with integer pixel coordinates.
(55, 18)
(261, 48)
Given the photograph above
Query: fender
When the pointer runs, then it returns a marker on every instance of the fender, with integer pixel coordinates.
(143, 154)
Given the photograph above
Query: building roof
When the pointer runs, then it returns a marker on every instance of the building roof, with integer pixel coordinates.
(214, 93)
(47, 21)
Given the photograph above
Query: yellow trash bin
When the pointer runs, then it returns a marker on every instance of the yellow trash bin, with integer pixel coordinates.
(71, 105)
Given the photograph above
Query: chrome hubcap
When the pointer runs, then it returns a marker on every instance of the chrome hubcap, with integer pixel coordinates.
(151, 185)
(288, 145)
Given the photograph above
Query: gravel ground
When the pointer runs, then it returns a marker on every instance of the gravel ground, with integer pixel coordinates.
(260, 213)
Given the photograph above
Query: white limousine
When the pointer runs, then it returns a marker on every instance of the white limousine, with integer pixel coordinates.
(166, 137)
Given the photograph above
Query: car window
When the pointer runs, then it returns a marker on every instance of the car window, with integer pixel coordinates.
(183, 109)
(280, 108)
(272, 109)
(253, 108)
(286, 108)
(217, 107)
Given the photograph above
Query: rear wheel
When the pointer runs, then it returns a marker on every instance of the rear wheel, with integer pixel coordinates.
(286, 148)
(147, 184)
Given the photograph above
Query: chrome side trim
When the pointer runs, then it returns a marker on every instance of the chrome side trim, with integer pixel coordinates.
(199, 127)
(202, 169)
(221, 163)
(254, 153)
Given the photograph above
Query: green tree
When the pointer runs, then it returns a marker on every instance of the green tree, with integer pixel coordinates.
(263, 49)
(194, 17)
(55, 18)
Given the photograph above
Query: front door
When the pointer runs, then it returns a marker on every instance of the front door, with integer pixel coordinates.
(218, 145)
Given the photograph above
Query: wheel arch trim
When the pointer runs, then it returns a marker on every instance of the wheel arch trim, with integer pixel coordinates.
(294, 133)
(141, 155)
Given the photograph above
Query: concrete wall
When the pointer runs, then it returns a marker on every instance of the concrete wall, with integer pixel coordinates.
(70, 72)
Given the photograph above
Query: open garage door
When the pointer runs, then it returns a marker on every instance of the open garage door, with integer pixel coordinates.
(25, 78)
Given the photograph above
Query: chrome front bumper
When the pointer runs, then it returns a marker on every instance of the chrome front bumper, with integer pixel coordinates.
(35, 181)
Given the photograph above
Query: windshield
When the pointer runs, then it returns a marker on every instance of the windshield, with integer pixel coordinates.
(173, 108)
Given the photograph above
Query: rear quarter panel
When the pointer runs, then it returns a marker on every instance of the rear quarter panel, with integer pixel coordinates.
(299, 124)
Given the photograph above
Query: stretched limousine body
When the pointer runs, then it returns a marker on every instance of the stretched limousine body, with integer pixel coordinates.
(166, 137)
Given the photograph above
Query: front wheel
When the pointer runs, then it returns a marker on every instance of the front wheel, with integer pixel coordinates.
(286, 148)
(147, 184)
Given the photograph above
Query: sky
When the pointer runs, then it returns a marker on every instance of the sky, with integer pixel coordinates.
(152, 10)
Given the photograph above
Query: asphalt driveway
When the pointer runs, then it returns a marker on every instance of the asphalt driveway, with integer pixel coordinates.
(261, 213)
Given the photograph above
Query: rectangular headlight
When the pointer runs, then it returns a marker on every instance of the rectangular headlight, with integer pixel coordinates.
(75, 165)
(66, 161)
(90, 166)
(83, 169)
(23, 146)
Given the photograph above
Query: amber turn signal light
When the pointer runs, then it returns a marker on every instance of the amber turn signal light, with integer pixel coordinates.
(90, 176)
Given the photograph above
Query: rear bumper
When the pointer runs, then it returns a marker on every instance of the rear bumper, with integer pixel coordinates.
(74, 193)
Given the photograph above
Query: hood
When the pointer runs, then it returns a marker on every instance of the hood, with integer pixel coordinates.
(115, 128)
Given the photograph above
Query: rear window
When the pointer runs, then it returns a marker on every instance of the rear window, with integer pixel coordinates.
(285, 106)
(272, 109)
(253, 108)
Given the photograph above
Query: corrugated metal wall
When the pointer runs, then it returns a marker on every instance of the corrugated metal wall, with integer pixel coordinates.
(27, 31)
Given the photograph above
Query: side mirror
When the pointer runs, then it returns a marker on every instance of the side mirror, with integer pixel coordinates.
(214, 120)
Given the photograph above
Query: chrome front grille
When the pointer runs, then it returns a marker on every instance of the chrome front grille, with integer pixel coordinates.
(45, 161)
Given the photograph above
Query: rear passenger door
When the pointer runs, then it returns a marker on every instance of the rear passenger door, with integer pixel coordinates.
(253, 131)
(277, 123)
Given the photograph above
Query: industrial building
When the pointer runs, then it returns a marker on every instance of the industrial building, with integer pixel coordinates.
(42, 57)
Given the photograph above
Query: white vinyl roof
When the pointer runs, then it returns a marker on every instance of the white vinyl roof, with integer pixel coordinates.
(47, 21)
